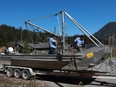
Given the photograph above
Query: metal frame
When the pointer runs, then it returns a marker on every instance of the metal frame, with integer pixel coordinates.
(88, 34)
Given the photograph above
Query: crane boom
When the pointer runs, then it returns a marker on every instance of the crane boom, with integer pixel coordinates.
(38, 27)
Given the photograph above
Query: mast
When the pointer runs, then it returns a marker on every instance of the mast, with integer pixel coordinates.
(63, 33)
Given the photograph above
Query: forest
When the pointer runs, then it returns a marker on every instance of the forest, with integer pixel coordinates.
(10, 35)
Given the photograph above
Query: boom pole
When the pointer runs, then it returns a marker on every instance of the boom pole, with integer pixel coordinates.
(88, 34)
(38, 27)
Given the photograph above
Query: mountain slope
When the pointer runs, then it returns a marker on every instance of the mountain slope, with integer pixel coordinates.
(108, 29)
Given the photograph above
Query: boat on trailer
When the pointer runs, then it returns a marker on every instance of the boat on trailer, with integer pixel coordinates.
(62, 61)
(72, 62)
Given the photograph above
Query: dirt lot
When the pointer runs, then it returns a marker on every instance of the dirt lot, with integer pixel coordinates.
(13, 82)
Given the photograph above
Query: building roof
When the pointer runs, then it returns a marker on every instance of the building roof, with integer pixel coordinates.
(38, 46)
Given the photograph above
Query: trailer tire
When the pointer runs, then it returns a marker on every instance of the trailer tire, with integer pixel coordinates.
(9, 72)
(26, 74)
(17, 73)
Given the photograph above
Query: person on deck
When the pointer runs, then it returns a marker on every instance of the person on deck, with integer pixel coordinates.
(79, 42)
(52, 45)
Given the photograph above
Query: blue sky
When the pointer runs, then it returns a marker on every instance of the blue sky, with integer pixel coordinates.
(92, 14)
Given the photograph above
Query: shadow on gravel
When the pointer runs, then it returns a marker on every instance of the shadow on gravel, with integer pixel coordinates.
(66, 79)
(104, 83)
(75, 81)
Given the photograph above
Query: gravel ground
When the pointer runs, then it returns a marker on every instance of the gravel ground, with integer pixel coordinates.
(53, 81)
(41, 81)
(13, 82)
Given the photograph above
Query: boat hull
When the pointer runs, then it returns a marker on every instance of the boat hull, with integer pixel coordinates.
(71, 62)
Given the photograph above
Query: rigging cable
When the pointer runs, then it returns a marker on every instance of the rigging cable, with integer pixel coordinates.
(31, 35)
(28, 39)
(42, 17)
(58, 25)
(39, 36)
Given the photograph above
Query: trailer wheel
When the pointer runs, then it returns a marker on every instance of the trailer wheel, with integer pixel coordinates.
(17, 73)
(26, 74)
(9, 72)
